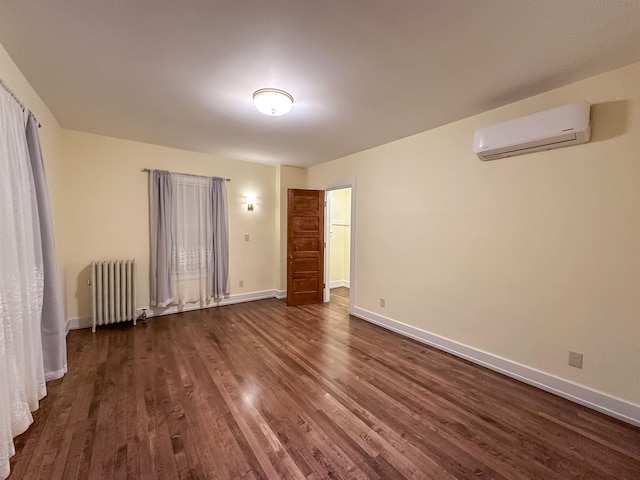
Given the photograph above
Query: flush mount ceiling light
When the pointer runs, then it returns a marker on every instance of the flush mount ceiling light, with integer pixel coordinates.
(272, 102)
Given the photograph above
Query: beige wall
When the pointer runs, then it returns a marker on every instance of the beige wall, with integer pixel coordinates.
(104, 212)
(340, 238)
(525, 258)
(100, 204)
(286, 178)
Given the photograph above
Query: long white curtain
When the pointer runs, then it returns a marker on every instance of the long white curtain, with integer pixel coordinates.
(189, 239)
(22, 382)
(193, 249)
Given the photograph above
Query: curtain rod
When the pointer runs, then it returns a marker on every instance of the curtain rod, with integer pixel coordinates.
(8, 90)
(148, 170)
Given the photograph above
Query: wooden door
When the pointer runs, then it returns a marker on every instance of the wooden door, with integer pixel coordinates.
(305, 247)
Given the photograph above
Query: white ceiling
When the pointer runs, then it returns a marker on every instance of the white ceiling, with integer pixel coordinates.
(363, 72)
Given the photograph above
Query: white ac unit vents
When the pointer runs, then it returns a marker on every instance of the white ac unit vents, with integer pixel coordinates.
(555, 128)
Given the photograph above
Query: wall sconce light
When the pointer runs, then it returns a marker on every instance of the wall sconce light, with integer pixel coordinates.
(250, 201)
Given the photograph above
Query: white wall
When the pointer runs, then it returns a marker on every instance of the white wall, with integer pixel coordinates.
(524, 258)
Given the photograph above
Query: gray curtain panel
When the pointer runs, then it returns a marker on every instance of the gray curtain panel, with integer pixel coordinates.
(164, 223)
(162, 227)
(219, 269)
(52, 326)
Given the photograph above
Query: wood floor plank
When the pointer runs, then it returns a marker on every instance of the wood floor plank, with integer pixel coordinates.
(268, 449)
(265, 391)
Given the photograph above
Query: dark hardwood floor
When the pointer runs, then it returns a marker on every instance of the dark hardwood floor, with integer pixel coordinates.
(262, 390)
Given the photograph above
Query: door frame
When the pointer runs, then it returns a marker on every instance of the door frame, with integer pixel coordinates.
(339, 185)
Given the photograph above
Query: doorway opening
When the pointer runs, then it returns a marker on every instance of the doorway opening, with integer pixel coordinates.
(338, 250)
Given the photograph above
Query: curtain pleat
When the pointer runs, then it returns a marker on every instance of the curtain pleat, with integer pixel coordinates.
(22, 382)
(219, 270)
(162, 231)
(52, 326)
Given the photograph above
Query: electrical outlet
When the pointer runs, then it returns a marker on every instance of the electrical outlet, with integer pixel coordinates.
(246, 237)
(241, 283)
(575, 359)
(382, 302)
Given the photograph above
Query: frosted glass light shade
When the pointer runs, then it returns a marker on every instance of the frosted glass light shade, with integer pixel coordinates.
(250, 201)
(272, 102)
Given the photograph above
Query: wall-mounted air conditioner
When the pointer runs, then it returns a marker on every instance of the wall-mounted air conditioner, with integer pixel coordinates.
(558, 127)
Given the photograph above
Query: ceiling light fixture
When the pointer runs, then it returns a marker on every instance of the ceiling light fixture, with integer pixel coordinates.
(272, 102)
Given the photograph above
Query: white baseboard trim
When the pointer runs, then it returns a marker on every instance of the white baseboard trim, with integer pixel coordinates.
(77, 324)
(282, 294)
(230, 300)
(594, 399)
(85, 322)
